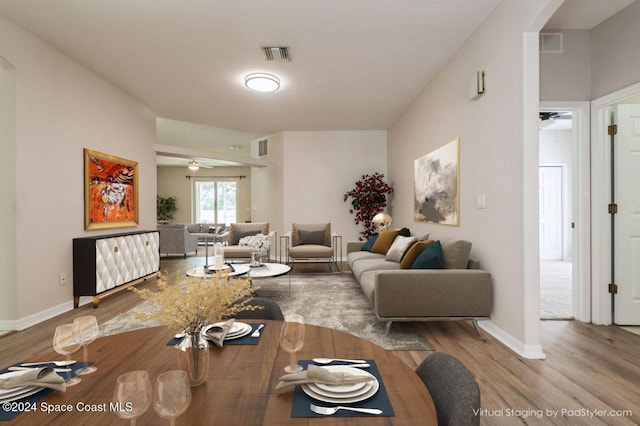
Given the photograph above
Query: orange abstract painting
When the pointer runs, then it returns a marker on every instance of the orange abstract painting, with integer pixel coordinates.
(111, 198)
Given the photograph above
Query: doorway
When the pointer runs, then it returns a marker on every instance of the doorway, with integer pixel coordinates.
(556, 157)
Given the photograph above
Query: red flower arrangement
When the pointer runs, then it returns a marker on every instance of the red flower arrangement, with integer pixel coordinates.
(369, 198)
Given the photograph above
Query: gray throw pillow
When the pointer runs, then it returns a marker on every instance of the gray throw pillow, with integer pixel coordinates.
(398, 248)
(238, 235)
(455, 254)
(311, 237)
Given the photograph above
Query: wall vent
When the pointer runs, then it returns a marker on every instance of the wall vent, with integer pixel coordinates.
(277, 53)
(263, 148)
(550, 42)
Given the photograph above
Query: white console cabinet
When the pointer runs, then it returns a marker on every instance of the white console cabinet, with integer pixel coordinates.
(105, 264)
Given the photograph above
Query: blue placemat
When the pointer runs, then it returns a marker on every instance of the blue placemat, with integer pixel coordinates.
(301, 401)
(244, 340)
(11, 410)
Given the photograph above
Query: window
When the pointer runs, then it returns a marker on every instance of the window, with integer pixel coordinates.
(215, 200)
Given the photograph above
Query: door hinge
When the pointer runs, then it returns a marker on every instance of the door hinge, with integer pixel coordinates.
(612, 130)
(613, 288)
(613, 208)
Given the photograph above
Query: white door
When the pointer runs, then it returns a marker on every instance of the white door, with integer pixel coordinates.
(550, 212)
(627, 221)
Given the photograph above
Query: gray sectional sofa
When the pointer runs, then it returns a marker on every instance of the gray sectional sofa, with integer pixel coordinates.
(458, 291)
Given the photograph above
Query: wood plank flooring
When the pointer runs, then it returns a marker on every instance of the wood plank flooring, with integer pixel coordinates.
(590, 377)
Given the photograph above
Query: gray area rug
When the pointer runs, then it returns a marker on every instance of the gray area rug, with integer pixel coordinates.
(331, 300)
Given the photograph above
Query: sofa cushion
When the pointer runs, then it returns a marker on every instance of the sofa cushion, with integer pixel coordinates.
(455, 254)
(412, 254)
(384, 241)
(238, 231)
(369, 244)
(194, 228)
(311, 237)
(399, 247)
(310, 251)
(430, 258)
(356, 256)
(372, 264)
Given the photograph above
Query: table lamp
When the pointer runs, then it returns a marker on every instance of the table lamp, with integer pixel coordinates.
(383, 219)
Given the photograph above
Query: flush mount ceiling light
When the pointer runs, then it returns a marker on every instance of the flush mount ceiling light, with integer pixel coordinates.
(193, 165)
(262, 82)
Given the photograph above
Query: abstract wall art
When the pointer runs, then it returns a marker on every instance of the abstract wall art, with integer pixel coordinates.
(437, 186)
(110, 191)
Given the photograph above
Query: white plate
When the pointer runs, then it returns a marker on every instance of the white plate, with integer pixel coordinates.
(337, 398)
(247, 329)
(6, 393)
(25, 393)
(238, 329)
(366, 387)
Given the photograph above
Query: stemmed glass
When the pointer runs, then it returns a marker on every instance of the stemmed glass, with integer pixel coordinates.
(132, 395)
(64, 344)
(85, 331)
(292, 339)
(172, 395)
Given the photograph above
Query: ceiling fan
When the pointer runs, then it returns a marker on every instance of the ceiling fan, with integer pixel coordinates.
(194, 165)
(545, 115)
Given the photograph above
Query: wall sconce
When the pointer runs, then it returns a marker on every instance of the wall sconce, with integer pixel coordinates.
(476, 85)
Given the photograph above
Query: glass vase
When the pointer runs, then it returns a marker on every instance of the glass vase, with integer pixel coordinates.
(193, 357)
(256, 257)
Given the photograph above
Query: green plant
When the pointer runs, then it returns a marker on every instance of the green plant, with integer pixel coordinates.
(165, 208)
(368, 198)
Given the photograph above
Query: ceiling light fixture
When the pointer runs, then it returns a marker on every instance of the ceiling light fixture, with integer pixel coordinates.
(193, 165)
(262, 82)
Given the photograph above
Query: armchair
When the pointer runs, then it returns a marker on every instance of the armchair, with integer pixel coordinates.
(312, 242)
(177, 239)
(237, 231)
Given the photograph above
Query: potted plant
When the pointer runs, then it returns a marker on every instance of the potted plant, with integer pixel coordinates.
(368, 198)
(165, 209)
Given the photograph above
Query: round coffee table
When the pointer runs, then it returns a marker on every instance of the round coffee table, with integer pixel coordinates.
(238, 269)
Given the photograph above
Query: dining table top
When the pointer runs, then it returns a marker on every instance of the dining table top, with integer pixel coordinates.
(240, 386)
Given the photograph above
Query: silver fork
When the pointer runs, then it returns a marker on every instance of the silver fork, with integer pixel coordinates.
(333, 410)
(257, 332)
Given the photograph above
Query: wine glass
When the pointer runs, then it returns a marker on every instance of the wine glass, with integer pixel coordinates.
(292, 339)
(64, 344)
(172, 395)
(85, 331)
(132, 395)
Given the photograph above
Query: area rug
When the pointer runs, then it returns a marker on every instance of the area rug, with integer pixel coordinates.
(331, 300)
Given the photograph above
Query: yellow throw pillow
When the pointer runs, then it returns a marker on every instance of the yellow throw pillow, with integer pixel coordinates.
(384, 241)
(412, 254)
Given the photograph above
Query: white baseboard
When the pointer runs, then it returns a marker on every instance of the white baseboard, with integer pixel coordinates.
(525, 351)
(41, 316)
(7, 325)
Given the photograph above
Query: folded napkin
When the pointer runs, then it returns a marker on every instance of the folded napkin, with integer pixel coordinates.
(44, 377)
(316, 374)
(218, 333)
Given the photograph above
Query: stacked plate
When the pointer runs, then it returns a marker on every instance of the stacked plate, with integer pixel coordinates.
(343, 393)
(237, 330)
(14, 394)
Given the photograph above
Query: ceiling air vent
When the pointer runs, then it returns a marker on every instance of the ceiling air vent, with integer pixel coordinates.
(550, 42)
(277, 53)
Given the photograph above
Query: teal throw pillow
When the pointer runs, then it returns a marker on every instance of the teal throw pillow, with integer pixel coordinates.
(430, 258)
(369, 244)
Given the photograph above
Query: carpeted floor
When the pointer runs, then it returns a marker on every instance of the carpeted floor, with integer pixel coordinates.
(327, 299)
(555, 289)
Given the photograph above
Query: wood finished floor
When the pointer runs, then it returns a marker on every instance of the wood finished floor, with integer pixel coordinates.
(587, 367)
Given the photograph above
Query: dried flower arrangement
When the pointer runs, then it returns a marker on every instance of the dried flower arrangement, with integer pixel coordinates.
(190, 303)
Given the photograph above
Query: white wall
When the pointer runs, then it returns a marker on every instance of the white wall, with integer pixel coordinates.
(61, 109)
(495, 138)
(566, 76)
(308, 175)
(615, 63)
(173, 182)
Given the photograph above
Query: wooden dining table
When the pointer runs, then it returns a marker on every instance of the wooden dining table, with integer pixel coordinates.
(240, 386)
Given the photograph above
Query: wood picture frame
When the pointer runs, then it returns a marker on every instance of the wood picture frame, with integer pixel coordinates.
(437, 186)
(110, 191)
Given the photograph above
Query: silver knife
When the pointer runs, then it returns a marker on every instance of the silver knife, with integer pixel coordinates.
(57, 370)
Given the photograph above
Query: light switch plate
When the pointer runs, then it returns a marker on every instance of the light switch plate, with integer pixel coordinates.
(481, 201)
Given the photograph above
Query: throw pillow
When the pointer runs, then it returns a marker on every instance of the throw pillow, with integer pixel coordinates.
(311, 237)
(405, 232)
(430, 258)
(384, 241)
(456, 254)
(238, 235)
(369, 244)
(412, 254)
(399, 247)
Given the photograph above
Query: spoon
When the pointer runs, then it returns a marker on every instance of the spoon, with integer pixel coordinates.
(58, 363)
(330, 360)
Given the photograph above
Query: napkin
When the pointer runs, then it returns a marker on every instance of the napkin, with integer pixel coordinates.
(316, 374)
(44, 377)
(218, 333)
